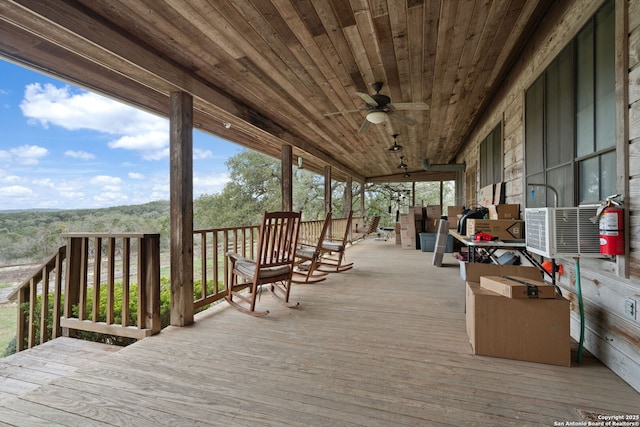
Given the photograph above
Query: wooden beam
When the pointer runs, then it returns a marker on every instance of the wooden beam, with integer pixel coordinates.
(419, 176)
(181, 207)
(287, 178)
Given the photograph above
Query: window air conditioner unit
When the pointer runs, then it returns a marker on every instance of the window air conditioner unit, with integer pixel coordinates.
(562, 232)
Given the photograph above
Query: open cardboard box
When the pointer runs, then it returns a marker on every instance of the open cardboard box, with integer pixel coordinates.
(534, 330)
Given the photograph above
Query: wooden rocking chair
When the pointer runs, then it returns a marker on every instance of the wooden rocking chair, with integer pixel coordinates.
(327, 247)
(277, 242)
(308, 258)
(372, 228)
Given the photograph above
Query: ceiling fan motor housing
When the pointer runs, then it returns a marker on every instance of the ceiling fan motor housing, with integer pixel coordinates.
(381, 100)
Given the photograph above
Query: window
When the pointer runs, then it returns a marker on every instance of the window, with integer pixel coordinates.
(570, 120)
(491, 158)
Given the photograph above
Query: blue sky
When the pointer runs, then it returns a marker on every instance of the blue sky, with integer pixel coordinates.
(62, 147)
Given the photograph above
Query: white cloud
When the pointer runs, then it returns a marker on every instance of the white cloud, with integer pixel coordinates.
(16, 191)
(209, 184)
(199, 154)
(45, 182)
(24, 155)
(82, 155)
(136, 130)
(106, 180)
(9, 179)
(135, 175)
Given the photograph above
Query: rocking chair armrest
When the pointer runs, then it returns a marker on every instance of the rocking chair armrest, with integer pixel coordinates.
(234, 257)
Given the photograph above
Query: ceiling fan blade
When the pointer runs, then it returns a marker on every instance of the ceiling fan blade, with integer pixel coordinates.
(335, 113)
(410, 106)
(367, 99)
(402, 118)
(365, 126)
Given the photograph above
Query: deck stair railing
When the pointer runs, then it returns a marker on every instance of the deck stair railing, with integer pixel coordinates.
(76, 276)
(33, 322)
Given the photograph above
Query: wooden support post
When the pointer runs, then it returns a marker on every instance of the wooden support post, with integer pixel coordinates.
(327, 189)
(150, 283)
(181, 207)
(348, 196)
(362, 206)
(287, 178)
(73, 278)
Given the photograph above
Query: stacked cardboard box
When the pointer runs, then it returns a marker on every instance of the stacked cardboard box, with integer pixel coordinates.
(418, 219)
(534, 330)
(504, 211)
(500, 228)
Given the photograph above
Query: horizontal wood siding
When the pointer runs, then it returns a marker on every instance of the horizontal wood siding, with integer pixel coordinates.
(611, 335)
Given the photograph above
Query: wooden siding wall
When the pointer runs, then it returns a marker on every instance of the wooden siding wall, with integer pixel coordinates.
(612, 337)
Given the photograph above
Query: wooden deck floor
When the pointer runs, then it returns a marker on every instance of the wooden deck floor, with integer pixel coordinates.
(384, 344)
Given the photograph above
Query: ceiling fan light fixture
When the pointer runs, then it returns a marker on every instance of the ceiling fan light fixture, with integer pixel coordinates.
(376, 117)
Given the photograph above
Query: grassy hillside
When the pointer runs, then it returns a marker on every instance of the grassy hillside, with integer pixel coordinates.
(31, 236)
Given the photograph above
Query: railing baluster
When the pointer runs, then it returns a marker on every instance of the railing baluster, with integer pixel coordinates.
(23, 297)
(84, 266)
(111, 273)
(97, 263)
(44, 306)
(57, 307)
(203, 264)
(126, 279)
(141, 283)
(32, 308)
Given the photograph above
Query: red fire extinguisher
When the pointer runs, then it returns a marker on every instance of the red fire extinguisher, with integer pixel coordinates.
(611, 227)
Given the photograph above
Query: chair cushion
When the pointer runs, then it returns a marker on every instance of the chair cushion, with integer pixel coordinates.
(247, 268)
(332, 246)
(305, 252)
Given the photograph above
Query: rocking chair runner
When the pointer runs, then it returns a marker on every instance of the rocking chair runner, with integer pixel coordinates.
(308, 258)
(338, 247)
(277, 242)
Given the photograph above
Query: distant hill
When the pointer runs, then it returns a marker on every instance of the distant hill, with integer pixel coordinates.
(8, 211)
(32, 235)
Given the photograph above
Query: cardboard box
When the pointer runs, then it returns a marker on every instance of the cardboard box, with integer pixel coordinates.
(500, 228)
(452, 215)
(504, 211)
(433, 211)
(518, 287)
(529, 330)
(498, 194)
(486, 196)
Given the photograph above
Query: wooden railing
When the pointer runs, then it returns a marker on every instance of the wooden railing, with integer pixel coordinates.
(66, 292)
(89, 263)
(33, 319)
(211, 268)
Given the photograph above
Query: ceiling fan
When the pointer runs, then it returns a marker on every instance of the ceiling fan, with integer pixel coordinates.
(379, 107)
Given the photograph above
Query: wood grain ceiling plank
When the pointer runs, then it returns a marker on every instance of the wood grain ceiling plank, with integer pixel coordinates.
(388, 57)
(287, 99)
(340, 44)
(359, 53)
(310, 18)
(416, 51)
(309, 53)
(369, 40)
(472, 26)
(402, 43)
(478, 83)
(439, 129)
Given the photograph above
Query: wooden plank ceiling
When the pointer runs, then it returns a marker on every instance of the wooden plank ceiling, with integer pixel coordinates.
(274, 69)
